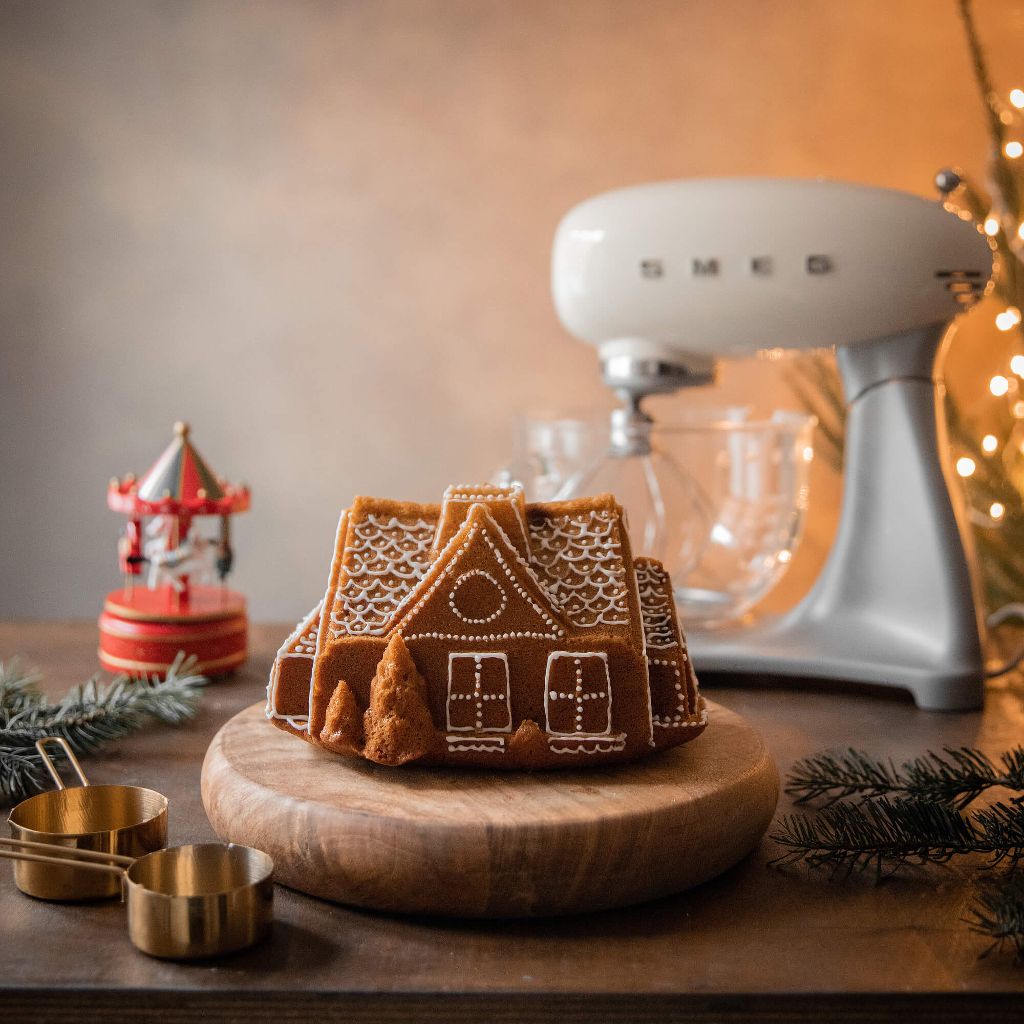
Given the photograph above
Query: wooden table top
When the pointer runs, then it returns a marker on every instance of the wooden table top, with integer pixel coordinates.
(755, 944)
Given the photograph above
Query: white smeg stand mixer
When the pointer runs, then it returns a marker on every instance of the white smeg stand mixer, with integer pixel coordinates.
(665, 279)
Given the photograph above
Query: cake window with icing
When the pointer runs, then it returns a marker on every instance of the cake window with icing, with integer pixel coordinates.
(578, 699)
(478, 696)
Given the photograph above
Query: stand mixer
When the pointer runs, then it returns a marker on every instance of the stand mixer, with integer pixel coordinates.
(665, 279)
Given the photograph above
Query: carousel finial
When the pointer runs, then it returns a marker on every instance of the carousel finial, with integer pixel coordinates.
(181, 428)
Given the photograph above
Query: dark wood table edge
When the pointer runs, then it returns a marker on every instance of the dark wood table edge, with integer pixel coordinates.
(42, 1006)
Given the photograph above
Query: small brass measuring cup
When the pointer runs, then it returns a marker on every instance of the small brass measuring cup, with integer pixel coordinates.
(123, 820)
(184, 902)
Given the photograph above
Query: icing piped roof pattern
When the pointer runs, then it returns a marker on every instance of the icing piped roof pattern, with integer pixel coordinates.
(579, 560)
(656, 605)
(385, 557)
(302, 641)
(576, 557)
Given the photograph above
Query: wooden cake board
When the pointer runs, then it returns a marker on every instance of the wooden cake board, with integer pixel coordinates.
(479, 843)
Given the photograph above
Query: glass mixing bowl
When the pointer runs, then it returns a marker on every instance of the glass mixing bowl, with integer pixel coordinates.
(717, 495)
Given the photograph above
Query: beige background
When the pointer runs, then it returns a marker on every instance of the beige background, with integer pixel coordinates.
(320, 231)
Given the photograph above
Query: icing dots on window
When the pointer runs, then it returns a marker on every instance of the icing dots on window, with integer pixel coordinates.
(478, 693)
(577, 697)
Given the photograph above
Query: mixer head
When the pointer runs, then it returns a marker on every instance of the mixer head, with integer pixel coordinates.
(666, 278)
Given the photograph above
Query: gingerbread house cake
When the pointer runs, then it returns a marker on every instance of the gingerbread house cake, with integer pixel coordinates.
(488, 631)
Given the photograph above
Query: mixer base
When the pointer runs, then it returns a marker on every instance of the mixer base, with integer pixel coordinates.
(836, 652)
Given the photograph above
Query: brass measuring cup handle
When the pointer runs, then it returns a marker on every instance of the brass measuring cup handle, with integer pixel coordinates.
(65, 748)
(91, 860)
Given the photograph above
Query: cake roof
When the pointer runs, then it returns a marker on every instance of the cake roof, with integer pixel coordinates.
(573, 550)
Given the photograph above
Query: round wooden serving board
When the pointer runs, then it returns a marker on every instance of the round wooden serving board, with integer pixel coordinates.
(490, 844)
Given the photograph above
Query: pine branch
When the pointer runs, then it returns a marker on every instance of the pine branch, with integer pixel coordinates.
(957, 777)
(19, 688)
(883, 834)
(998, 914)
(89, 716)
(829, 778)
(962, 775)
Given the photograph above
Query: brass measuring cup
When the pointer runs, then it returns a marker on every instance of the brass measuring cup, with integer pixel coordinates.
(184, 902)
(123, 820)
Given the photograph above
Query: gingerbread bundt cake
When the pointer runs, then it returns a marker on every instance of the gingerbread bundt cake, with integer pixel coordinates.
(488, 631)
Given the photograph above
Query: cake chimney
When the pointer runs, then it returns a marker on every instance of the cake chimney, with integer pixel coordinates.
(505, 505)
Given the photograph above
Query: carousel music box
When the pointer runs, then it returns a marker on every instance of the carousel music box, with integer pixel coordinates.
(179, 607)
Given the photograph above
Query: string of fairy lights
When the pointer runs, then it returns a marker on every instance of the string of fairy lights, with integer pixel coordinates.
(1000, 217)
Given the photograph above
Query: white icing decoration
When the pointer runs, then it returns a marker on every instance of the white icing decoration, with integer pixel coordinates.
(301, 643)
(580, 560)
(656, 606)
(689, 724)
(483, 744)
(322, 633)
(556, 630)
(453, 604)
(477, 697)
(513, 635)
(586, 744)
(384, 560)
(680, 713)
(643, 647)
(579, 695)
(472, 494)
(483, 491)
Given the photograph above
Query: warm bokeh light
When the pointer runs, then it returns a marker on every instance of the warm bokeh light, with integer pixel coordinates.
(1017, 98)
(1017, 365)
(965, 466)
(1008, 319)
(989, 443)
(999, 385)
(996, 510)
(1020, 230)
(992, 226)
(1013, 149)
(1018, 410)
(808, 453)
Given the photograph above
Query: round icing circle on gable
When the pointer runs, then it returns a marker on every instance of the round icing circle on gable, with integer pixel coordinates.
(479, 602)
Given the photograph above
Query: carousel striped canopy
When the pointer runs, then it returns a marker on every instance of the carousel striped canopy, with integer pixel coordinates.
(180, 474)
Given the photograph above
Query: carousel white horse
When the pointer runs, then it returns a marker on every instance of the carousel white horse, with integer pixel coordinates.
(170, 562)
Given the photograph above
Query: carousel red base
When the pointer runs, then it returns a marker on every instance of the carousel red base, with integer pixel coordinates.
(142, 631)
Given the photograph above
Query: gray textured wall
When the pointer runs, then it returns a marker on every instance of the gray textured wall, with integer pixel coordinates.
(320, 231)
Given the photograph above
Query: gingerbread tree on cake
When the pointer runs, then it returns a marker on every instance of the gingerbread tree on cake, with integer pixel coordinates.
(398, 723)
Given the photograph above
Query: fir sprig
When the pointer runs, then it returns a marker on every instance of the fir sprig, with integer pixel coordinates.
(877, 817)
(89, 716)
(998, 914)
(885, 834)
(956, 777)
(18, 687)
